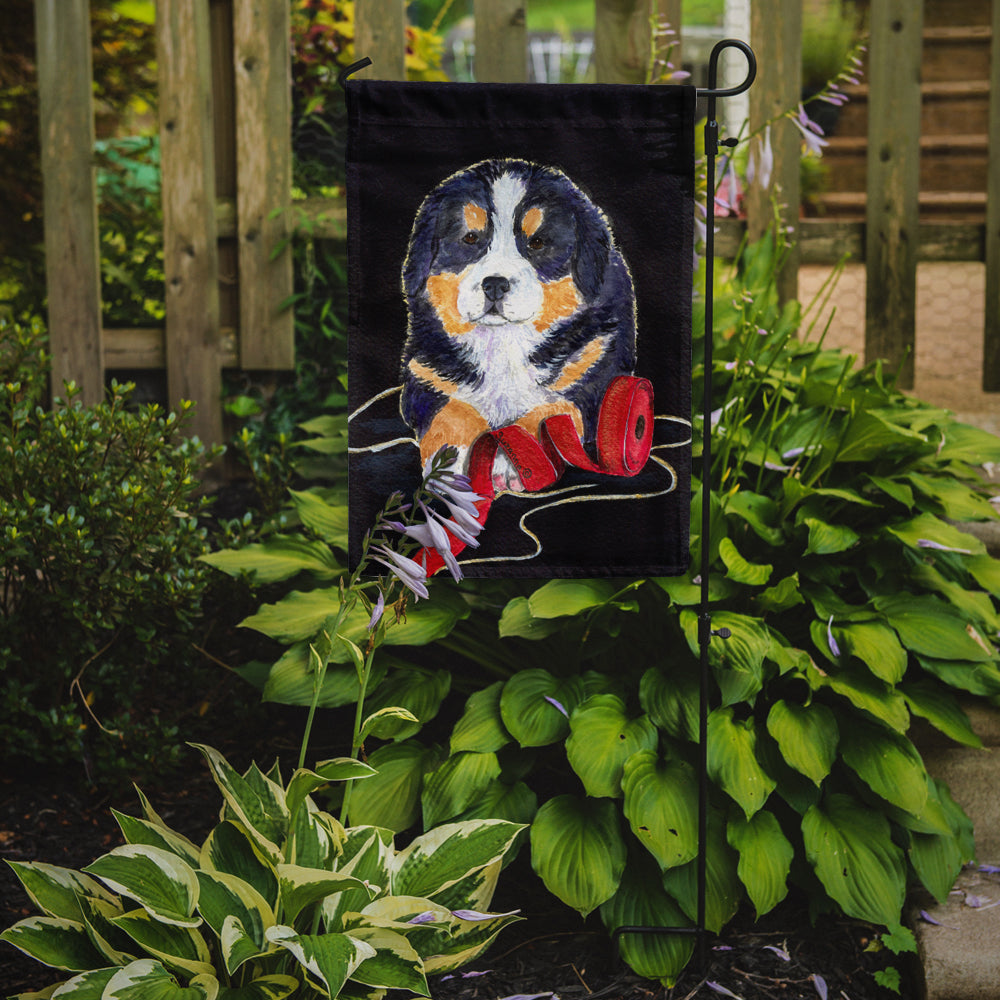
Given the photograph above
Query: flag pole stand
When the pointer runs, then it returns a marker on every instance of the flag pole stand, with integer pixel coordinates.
(705, 630)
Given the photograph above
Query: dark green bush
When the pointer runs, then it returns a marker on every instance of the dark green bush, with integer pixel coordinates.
(100, 587)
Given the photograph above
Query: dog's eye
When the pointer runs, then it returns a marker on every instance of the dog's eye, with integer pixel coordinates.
(536, 243)
(471, 238)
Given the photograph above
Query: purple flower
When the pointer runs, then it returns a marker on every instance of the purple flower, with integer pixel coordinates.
(811, 132)
(831, 642)
(927, 543)
(427, 917)
(455, 489)
(558, 705)
(780, 952)
(475, 915)
(411, 574)
(820, 983)
(760, 166)
(719, 988)
(377, 612)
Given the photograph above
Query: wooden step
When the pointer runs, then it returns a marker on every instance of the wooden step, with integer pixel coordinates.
(939, 13)
(956, 53)
(957, 206)
(947, 162)
(945, 104)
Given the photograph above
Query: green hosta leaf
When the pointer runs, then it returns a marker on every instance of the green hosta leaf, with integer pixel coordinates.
(986, 571)
(661, 800)
(876, 646)
(147, 979)
(418, 691)
(275, 987)
(965, 443)
(870, 435)
(279, 558)
(517, 620)
(850, 847)
(225, 897)
(141, 831)
(481, 728)
(937, 860)
(56, 891)
(931, 628)
(260, 809)
(387, 723)
(723, 889)
(928, 528)
(159, 881)
(976, 678)
(456, 784)
(230, 849)
(941, 709)
(671, 699)
(888, 763)
(602, 738)
(765, 858)
(893, 488)
(738, 569)
(783, 595)
(641, 901)
(292, 680)
(828, 539)
(578, 851)
(516, 803)
(958, 502)
(180, 948)
(528, 710)
(758, 511)
(807, 736)
(865, 692)
(327, 520)
(560, 598)
(54, 941)
(301, 887)
(395, 964)
(443, 856)
(974, 604)
(391, 798)
(330, 959)
(684, 592)
(732, 760)
(738, 661)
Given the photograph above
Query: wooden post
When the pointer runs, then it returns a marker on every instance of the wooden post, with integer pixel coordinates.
(190, 254)
(262, 60)
(991, 333)
(501, 41)
(72, 255)
(893, 183)
(776, 35)
(380, 34)
(621, 40)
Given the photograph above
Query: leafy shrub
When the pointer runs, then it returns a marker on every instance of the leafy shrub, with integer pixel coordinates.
(99, 539)
(854, 604)
(279, 899)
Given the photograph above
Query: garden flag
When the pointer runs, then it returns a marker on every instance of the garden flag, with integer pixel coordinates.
(520, 261)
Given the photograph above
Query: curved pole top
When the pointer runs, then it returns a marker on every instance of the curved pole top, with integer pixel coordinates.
(713, 68)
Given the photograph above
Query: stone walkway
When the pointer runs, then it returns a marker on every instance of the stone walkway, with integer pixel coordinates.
(949, 350)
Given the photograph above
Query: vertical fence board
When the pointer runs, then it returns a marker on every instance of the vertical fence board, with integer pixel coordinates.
(190, 254)
(776, 35)
(991, 332)
(893, 183)
(379, 33)
(501, 41)
(72, 257)
(262, 60)
(621, 40)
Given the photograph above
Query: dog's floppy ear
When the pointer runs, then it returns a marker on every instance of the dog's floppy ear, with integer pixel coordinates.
(422, 247)
(593, 244)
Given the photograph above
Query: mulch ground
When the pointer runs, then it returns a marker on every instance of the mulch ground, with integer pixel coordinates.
(551, 952)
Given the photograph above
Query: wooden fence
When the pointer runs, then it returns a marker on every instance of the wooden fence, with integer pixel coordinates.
(226, 160)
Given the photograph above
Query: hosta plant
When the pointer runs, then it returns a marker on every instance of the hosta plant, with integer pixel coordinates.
(279, 900)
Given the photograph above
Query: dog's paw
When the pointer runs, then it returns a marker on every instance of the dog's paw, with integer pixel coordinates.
(504, 475)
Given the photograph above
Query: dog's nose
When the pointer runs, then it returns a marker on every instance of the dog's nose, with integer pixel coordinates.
(495, 287)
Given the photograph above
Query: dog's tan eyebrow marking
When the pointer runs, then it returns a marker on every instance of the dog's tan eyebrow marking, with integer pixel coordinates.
(531, 221)
(431, 377)
(578, 365)
(475, 216)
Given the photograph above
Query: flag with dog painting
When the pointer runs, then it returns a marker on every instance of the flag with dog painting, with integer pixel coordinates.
(520, 264)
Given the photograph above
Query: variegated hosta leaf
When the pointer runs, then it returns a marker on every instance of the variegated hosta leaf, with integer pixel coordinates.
(54, 941)
(642, 902)
(116, 946)
(56, 891)
(395, 964)
(578, 851)
(87, 986)
(602, 737)
(315, 838)
(850, 847)
(141, 831)
(177, 947)
(256, 801)
(535, 706)
(301, 887)
(732, 760)
(456, 784)
(468, 939)
(661, 800)
(481, 727)
(441, 857)
(329, 959)
(807, 736)
(147, 979)
(765, 858)
(304, 782)
(475, 891)
(230, 849)
(158, 880)
(275, 987)
(224, 898)
(367, 853)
